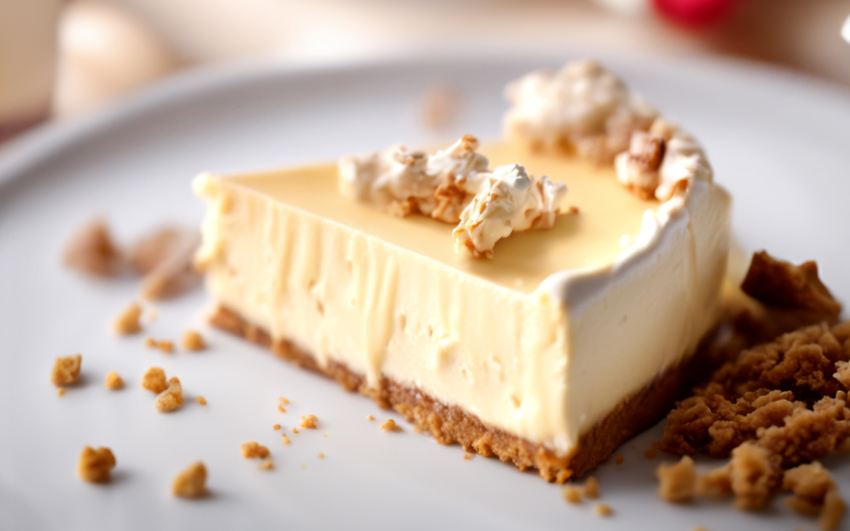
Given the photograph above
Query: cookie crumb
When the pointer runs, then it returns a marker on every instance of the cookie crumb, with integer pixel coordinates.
(571, 494)
(832, 512)
(308, 422)
(390, 425)
(370, 418)
(602, 509)
(113, 381)
(591, 488)
(286, 440)
(815, 494)
(281, 401)
(201, 400)
(171, 398)
(165, 346)
(276, 427)
(467, 457)
(193, 341)
(60, 391)
(191, 483)
(66, 370)
(127, 322)
(252, 449)
(266, 465)
(677, 482)
(94, 466)
(92, 251)
(154, 380)
(321, 455)
(295, 431)
(618, 459)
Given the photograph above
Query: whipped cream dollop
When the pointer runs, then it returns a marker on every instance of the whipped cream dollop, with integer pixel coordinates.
(661, 161)
(582, 107)
(510, 200)
(454, 185)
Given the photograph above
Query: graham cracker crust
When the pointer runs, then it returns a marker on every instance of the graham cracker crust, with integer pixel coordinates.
(450, 424)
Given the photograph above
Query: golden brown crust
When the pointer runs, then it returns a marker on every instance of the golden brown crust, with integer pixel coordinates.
(451, 424)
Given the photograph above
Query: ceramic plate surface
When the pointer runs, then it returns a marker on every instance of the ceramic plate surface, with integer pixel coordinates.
(778, 142)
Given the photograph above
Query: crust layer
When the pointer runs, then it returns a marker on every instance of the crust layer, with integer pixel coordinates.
(449, 424)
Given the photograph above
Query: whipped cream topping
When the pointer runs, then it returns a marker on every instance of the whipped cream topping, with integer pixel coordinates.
(662, 161)
(454, 185)
(581, 107)
(510, 200)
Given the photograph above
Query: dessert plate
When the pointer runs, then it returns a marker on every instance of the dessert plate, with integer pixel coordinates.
(777, 141)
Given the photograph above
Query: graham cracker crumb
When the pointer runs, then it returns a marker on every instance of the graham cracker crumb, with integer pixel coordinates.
(602, 509)
(308, 422)
(165, 346)
(370, 418)
(677, 482)
(94, 466)
(777, 283)
(193, 341)
(276, 427)
(832, 512)
(92, 251)
(171, 398)
(165, 258)
(321, 455)
(618, 459)
(201, 400)
(191, 483)
(815, 493)
(715, 483)
(127, 322)
(571, 494)
(60, 392)
(591, 488)
(66, 370)
(286, 440)
(266, 465)
(154, 380)
(390, 425)
(295, 431)
(113, 381)
(252, 449)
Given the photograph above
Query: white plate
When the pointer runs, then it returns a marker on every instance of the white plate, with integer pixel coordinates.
(778, 142)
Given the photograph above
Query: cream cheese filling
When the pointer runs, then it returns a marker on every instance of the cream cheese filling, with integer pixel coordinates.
(542, 341)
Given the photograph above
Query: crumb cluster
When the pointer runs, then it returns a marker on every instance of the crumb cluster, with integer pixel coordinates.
(308, 422)
(95, 466)
(66, 370)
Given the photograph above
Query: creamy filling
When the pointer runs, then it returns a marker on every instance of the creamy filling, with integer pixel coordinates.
(542, 341)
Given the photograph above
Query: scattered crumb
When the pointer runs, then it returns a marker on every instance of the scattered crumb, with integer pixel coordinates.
(66, 370)
(165, 346)
(286, 440)
(92, 251)
(390, 425)
(467, 457)
(252, 449)
(171, 398)
(165, 258)
(127, 322)
(154, 380)
(94, 466)
(191, 483)
(815, 494)
(832, 512)
(591, 488)
(276, 427)
(113, 381)
(677, 482)
(266, 465)
(308, 422)
(280, 403)
(283, 401)
(571, 494)
(602, 509)
(370, 418)
(60, 391)
(201, 400)
(193, 341)
(618, 459)
(321, 455)
(295, 431)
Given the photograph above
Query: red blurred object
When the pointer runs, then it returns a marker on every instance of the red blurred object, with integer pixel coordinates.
(695, 13)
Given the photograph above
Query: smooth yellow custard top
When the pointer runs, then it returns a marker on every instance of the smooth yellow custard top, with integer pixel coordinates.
(607, 212)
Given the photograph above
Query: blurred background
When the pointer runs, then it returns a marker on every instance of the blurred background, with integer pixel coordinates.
(62, 58)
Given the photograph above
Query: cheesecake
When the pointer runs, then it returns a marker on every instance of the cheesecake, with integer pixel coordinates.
(539, 298)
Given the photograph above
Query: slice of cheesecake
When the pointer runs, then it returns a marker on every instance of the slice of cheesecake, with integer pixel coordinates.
(548, 350)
